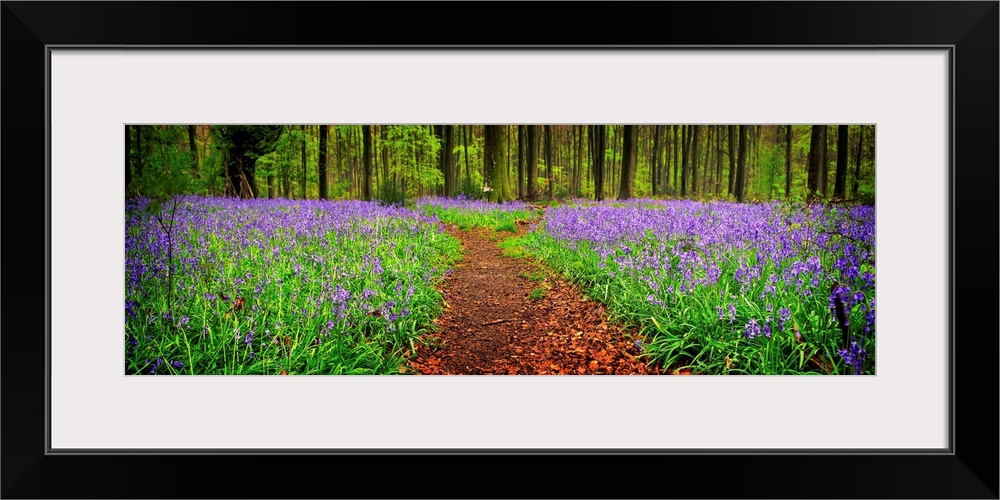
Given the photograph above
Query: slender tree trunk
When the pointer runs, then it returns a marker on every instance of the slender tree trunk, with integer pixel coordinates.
(741, 164)
(138, 150)
(448, 165)
(825, 173)
(694, 160)
(532, 167)
(578, 171)
(598, 138)
(732, 158)
(677, 151)
(302, 180)
(629, 154)
(718, 160)
(193, 147)
(788, 161)
(840, 183)
(686, 157)
(465, 144)
(857, 161)
(366, 131)
(655, 162)
(321, 168)
(548, 158)
(815, 162)
(507, 151)
(128, 157)
(520, 161)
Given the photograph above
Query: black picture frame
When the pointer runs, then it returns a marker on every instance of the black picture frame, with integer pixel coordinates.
(969, 470)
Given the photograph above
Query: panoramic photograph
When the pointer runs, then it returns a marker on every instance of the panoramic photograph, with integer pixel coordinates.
(499, 249)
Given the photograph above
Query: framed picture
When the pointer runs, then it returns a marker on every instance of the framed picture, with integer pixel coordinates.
(923, 73)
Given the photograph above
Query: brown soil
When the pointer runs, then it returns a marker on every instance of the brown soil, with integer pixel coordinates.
(490, 325)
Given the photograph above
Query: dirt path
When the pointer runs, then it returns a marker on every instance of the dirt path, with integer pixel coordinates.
(506, 316)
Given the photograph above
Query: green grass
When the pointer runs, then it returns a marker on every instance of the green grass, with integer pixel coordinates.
(684, 330)
(536, 275)
(352, 299)
(537, 294)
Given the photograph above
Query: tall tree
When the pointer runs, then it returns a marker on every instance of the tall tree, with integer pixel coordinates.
(303, 178)
(243, 144)
(521, 133)
(655, 161)
(857, 161)
(840, 183)
(694, 160)
(366, 131)
(718, 160)
(448, 161)
(741, 162)
(494, 151)
(598, 147)
(788, 160)
(629, 153)
(465, 144)
(532, 167)
(824, 175)
(323, 132)
(128, 157)
(732, 158)
(578, 174)
(677, 148)
(548, 159)
(138, 151)
(194, 148)
(815, 162)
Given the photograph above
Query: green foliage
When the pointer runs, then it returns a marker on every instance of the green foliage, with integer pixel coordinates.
(415, 152)
(388, 193)
(537, 294)
(471, 188)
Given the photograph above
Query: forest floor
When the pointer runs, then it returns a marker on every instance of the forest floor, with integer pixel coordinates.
(513, 316)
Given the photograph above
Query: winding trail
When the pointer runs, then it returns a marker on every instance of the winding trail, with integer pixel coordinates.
(494, 324)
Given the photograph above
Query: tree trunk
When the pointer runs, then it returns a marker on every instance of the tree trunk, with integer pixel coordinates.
(128, 157)
(825, 173)
(815, 162)
(741, 164)
(493, 152)
(520, 160)
(193, 147)
(548, 159)
(321, 168)
(676, 164)
(532, 170)
(857, 161)
(694, 160)
(788, 161)
(578, 164)
(465, 144)
(732, 158)
(685, 157)
(302, 182)
(598, 139)
(718, 160)
(655, 162)
(448, 163)
(840, 183)
(366, 131)
(629, 154)
(138, 151)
